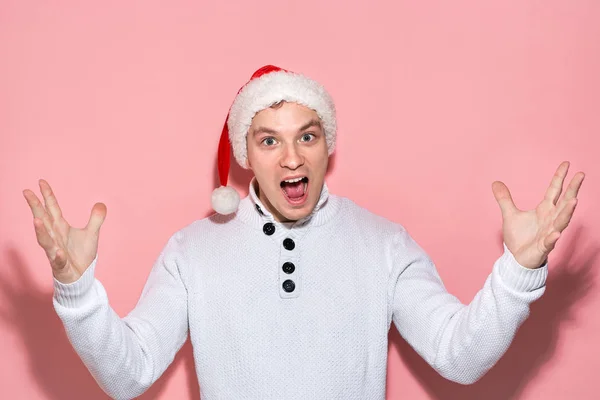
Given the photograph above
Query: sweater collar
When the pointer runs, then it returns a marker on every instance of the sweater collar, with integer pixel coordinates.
(253, 211)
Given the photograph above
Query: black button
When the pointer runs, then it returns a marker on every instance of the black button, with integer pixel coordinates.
(289, 244)
(288, 267)
(289, 286)
(259, 210)
(269, 228)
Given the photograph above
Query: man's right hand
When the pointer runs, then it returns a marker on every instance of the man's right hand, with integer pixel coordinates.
(69, 250)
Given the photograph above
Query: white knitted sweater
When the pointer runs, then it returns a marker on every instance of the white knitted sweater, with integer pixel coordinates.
(222, 279)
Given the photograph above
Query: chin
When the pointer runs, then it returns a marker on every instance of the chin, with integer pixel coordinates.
(294, 214)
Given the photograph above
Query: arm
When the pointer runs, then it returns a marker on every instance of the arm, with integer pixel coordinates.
(126, 355)
(461, 342)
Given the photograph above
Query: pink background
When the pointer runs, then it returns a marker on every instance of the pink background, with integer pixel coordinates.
(123, 102)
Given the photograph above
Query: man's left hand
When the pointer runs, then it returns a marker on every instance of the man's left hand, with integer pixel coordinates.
(531, 235)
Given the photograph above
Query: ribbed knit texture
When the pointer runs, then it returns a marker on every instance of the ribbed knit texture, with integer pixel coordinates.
(221, 280)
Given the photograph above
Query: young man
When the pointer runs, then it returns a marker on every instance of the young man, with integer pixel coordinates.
(291, 295)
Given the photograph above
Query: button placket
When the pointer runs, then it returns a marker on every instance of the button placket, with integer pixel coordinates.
(290, 278)
(289, 266)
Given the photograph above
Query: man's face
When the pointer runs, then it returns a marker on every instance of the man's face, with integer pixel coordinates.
(287, 152)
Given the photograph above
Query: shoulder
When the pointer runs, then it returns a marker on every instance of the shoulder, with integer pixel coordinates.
(379, 233)
(376, 226)
(352, 213)
(369, 228)
(207, 231)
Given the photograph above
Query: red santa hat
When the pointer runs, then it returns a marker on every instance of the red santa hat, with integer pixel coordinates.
(267, 86)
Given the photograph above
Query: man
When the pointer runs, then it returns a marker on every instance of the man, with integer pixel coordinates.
(292, 293)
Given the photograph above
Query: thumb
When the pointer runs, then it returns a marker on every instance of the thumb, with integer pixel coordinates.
(96, 218)
(504, 199)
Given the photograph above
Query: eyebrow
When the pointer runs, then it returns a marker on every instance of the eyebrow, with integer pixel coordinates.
(309, 124)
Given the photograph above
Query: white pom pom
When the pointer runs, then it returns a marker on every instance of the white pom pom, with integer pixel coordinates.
(225, 200)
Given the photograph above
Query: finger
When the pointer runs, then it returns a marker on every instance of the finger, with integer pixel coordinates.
(572, 190)
(56, 255)
(556, 184)
(60, 260)
(550, 241)
(38, 210)
(564, 216)
(43, 237)
(96, 218)
(504, 199)
(50, 200)
(35, 204)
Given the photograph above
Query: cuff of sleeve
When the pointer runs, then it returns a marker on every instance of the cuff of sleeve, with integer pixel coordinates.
(76, 294)
(519, 277)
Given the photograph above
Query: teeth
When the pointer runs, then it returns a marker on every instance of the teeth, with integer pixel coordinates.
(294, 180)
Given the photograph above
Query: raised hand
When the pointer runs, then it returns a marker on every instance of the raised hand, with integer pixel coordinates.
(69, 250)
(531, 235)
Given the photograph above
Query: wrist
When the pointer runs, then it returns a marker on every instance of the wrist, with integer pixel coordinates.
(77, 293)
(519, 277)
(529, 262)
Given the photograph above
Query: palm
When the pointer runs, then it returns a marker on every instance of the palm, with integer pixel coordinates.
(79, 246)
(531, 235)
(69, 250)
(525, 231)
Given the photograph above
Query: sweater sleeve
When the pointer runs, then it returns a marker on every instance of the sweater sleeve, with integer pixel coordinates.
(461, 342)
(126, 355)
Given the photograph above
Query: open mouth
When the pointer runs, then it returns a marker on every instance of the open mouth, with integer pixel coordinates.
(295, 190)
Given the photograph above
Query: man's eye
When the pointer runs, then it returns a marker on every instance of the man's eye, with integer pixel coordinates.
(307, 137)
(268, 141)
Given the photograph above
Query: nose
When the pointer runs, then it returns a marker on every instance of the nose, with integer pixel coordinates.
(291, 157)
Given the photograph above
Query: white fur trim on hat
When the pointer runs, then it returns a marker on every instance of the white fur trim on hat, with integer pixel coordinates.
(261, 93)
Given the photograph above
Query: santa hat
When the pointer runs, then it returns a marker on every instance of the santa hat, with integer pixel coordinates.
(267, 86)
